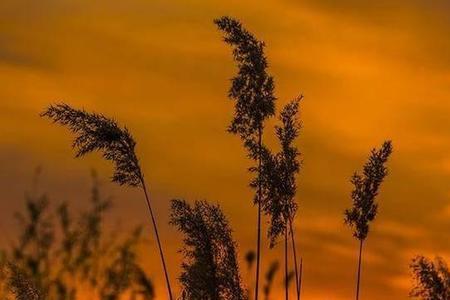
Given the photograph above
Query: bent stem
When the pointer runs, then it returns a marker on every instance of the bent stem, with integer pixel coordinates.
(161, 253)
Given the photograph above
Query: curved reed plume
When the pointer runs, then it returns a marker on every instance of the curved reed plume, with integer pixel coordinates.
(95, 132)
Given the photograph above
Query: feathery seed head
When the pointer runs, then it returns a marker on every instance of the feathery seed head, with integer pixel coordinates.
(432, 279)
(366, 188)
(95, 132)
(278, 173)
(252, 88)
(210, 268)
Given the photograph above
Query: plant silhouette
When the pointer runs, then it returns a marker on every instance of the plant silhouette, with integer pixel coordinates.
(366, 188)
(57, 254)
(95, 132)
(270, 277)
(124, 273)
(290, 276)
(210, 267)
(432, 279)
(279, 183)
(250, 258)
(22, 287)
(252, 90)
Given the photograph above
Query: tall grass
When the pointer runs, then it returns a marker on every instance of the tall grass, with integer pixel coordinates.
(210, 267)
(366, 188)
(95, 132)
(279, 183)
(252, 90)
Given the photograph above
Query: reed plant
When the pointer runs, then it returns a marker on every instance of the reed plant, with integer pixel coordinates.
(365, 190)
(95, 132)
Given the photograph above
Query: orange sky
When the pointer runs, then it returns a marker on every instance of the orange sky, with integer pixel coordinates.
(369, 70)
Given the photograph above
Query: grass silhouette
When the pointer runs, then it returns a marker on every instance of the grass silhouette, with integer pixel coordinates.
(252, 90)
(432, 279)
(279, 184)
(59, 253)
(210, 266)
(366, 188)
(95, 132)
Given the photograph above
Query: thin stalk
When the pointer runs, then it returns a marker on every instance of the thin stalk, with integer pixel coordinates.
(155, 227)
(300, 278)
(286, 273)
(294, 251)
(258, 243)
(359, 268)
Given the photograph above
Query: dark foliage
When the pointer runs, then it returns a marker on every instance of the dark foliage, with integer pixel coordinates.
(252, 88)
(3, 274)
(210, 269)
(290, 277)
(432, 279)
(21, 285)
(250, 258)
(95, 132)
(32, 253)
(278, 174)
(270, 276)
(365, 190)
(124, 273)
(58, 256)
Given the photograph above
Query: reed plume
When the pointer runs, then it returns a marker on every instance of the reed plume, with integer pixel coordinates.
(210, 267)
(279, 174)
(252, 90)
(95, 132)
(432, 279)
(366, 188)
(279, 183)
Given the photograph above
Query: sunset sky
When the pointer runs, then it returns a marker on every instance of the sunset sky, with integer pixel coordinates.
(369, 71)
